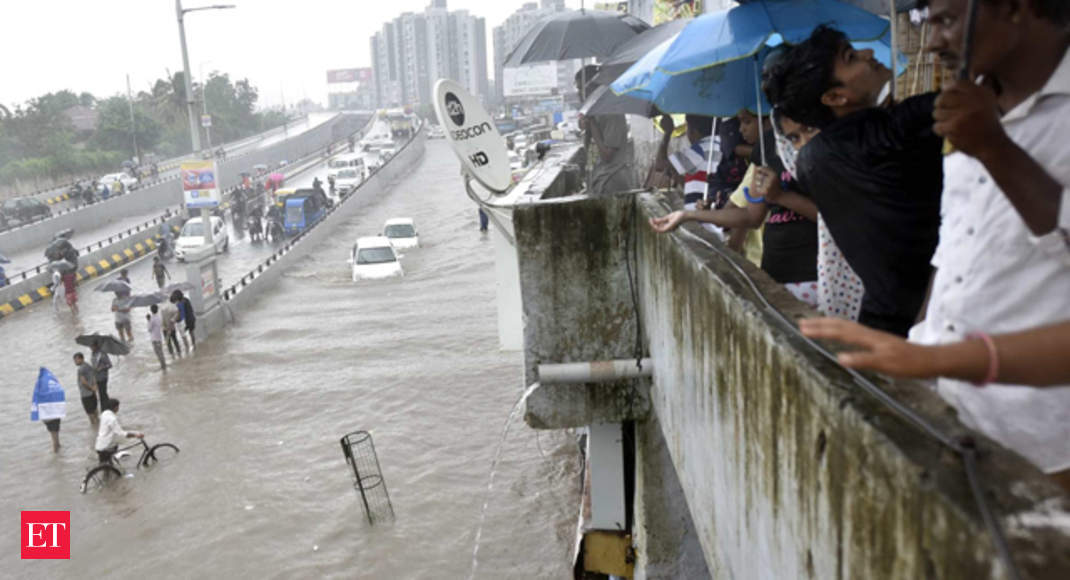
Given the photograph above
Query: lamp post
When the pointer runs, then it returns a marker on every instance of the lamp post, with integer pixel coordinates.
(194, 132)
(204, 102)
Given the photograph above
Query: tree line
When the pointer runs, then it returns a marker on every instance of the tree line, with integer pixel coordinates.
(39, 139)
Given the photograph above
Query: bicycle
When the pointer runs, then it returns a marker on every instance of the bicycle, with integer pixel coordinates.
(101, 475)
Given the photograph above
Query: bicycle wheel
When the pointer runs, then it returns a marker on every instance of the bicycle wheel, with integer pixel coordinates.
(160, 452)
(99, 477)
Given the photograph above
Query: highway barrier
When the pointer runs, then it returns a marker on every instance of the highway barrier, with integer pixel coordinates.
(109, 254)
(169, 192)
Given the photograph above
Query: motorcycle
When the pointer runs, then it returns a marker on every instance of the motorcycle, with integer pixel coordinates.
(274, 231)
(256, 229)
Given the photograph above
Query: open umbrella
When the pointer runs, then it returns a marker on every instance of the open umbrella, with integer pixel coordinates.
(713, 65)
(114, 285)
(575, 34)
(603, 101)
(66, 234)
(107, 343)
(636, 48)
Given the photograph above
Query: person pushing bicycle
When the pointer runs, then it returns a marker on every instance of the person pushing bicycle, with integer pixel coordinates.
(111, 432)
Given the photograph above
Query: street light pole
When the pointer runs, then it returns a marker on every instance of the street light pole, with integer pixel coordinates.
(194, 132)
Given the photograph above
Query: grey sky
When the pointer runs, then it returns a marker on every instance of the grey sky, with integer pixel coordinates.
(282, 46)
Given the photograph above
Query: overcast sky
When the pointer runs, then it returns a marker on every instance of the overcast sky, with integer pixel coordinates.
(283, 46)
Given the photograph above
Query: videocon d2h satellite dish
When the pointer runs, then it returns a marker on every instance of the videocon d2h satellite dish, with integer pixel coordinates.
(473, 136)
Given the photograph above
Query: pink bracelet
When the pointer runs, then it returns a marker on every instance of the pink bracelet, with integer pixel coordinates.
(993, 358)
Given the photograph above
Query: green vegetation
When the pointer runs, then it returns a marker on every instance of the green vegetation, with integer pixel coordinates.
(38, 138)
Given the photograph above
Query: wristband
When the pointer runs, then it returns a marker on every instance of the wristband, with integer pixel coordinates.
(993, 357)
(746, 194)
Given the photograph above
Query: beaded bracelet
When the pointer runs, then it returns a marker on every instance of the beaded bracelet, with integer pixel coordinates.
(993, 358)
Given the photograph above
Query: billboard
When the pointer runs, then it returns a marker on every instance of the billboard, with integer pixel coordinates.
(349, 75)
(666, 10)
(200, 187)
(532, 79)
(619, 6)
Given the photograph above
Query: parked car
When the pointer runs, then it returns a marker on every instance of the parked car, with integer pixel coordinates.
(346, 180)
(22, 210)
(402, 233)
(129, 181)
(374, 258)
(191, 236)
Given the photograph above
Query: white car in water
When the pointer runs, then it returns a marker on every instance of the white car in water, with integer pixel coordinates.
(402, 233)
(191, 237)
(374, 258)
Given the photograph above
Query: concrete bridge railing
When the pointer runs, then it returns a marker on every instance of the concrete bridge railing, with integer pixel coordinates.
(755, 456)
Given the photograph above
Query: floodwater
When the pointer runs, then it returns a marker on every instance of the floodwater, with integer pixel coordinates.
(261, 488)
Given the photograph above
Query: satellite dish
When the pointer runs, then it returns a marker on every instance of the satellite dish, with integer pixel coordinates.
(471, 132)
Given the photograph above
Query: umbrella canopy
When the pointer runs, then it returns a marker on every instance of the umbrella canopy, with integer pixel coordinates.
(115, 285)
(107, 343)
(61, 266)
(874, 6)
(575, 34)
(713, 65)
(61, 249)
(636, 48)
(66, 234)
(605, 102)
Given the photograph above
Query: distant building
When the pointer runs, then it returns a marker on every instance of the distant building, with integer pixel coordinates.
(508, 35)
(655, 12)
(414, 50)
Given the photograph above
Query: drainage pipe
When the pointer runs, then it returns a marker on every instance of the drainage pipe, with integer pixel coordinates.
(595, 371)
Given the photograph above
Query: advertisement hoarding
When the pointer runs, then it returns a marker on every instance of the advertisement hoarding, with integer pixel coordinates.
(349, 75)
(200, 186)
(666, 10)
(528, 80)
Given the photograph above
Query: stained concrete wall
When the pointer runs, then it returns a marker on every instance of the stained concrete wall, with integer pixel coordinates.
(788, 469)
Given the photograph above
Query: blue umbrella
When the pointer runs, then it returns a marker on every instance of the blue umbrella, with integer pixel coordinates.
(713, 65)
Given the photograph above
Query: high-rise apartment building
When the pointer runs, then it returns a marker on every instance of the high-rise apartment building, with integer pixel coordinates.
(508, 35)
(414, 50)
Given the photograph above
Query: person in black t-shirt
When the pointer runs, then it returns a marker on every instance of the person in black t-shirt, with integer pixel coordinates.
(790, 237)
(876, 174)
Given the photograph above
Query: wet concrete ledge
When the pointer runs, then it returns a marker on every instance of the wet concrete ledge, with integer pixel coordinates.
(788, 469)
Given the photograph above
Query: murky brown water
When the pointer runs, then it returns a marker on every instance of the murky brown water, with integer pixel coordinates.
(259, 410)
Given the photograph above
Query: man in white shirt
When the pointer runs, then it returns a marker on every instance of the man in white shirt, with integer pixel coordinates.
(156, 334)
(111, 433)
(1003, 261)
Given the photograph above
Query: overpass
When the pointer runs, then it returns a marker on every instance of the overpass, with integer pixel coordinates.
(749, 452)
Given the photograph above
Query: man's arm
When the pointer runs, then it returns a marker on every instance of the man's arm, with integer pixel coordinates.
(967, 115)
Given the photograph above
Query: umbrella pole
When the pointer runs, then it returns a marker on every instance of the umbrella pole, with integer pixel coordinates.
(709, 162)
(758, 92)
(895, 53)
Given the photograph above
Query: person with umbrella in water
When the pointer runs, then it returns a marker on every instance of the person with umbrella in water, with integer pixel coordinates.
(159, 272)
(100, 346)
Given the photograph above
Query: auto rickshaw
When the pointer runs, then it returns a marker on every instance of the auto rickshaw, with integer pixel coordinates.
(301, 210)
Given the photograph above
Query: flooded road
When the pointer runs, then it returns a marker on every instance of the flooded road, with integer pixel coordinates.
(259, 409)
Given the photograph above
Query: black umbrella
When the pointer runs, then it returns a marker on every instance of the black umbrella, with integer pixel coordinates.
(120, 287)
(107, 343)
(575, 34)
(604, 101)
(66, 234)
(58, 249)
(636, 48)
